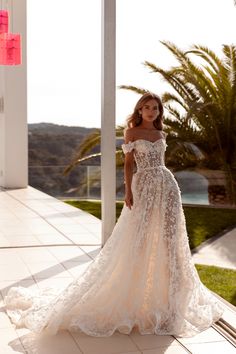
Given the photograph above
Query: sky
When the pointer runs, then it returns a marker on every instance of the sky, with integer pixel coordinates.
(64, 51)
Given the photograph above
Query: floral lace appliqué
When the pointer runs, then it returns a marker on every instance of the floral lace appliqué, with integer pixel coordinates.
(144, 276)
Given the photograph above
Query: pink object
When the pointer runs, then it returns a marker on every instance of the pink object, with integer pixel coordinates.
(10, 49)
(3, 21)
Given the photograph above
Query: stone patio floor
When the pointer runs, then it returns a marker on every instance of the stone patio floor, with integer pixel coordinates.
(45, 242)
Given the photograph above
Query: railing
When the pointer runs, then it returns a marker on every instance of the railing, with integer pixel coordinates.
(84, 183)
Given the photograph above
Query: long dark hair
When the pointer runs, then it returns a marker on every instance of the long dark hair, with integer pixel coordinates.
(135, 119)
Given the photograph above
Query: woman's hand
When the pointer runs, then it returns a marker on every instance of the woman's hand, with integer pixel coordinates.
(129, 199)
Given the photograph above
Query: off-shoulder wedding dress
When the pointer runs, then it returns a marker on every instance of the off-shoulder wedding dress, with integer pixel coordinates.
(143, 277)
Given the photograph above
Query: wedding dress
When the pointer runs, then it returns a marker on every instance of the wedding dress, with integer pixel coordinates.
(143, 277)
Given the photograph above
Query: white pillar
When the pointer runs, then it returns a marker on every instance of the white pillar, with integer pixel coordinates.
(108, 141)
(13, 109)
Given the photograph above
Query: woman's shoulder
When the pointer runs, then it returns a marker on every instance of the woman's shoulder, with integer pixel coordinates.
(129, 133)
(130, 129)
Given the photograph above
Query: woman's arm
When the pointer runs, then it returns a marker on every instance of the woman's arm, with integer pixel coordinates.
(128, 170)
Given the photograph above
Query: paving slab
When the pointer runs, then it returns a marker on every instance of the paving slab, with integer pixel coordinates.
(39, 248)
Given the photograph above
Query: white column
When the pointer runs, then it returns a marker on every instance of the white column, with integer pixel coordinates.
(13, 109)
(108, 78)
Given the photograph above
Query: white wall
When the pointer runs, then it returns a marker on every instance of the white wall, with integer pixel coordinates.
(13, 118)
(108, 140)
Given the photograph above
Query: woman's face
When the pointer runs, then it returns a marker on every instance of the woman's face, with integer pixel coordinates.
(150, 110)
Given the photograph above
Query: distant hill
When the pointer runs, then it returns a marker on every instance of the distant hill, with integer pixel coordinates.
(51, 148)
(52, 144)
(55, 129)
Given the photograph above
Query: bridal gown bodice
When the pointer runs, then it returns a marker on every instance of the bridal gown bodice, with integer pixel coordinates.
(151, 173)
(144, 275)
(147, 154)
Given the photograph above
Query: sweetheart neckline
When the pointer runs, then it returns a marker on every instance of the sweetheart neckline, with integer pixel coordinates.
(152, 142)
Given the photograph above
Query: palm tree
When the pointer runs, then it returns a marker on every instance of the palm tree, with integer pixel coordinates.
(83, 154)
(201, 113)
(88, 144)
(202, 106)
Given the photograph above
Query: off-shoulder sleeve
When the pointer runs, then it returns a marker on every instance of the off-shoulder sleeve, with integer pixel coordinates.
(164, 134)
(127, 147)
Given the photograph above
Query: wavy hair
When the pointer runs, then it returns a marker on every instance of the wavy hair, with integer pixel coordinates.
(135, 119)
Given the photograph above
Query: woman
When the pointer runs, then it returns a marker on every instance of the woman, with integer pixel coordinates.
(144, 276)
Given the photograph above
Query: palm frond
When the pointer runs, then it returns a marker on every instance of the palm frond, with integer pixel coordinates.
(138, 90)
(178, 84)
(220, 76)
(190, 71)
(86, 158)
(169, 97)
(208, 55)
(174, 112)
(91, 141)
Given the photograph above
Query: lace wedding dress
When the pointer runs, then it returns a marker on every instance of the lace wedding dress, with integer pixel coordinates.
(143, 277)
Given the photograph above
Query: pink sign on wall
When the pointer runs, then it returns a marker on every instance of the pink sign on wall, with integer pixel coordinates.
(10, 49)
(3, 21)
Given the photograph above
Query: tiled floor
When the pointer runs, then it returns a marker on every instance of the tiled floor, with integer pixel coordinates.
(44, 242)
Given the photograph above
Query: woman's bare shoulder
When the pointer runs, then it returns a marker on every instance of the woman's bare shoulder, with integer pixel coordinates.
(129, 134)
(130, 129)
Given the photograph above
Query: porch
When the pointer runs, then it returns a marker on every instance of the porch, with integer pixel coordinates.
(45, 242)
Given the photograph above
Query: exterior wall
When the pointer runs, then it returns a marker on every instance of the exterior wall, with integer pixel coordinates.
(2, 128)
(13, 114)
(108, 140)
(13, 110)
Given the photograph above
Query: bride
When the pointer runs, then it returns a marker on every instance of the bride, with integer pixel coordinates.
(144, 276)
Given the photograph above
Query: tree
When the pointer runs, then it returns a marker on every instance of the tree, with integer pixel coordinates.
(201, 112)
(202, 107)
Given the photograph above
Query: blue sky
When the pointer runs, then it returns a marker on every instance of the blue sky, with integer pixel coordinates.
(64, 51)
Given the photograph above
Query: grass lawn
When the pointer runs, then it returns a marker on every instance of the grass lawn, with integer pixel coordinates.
(202, 223)
(220, 280)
